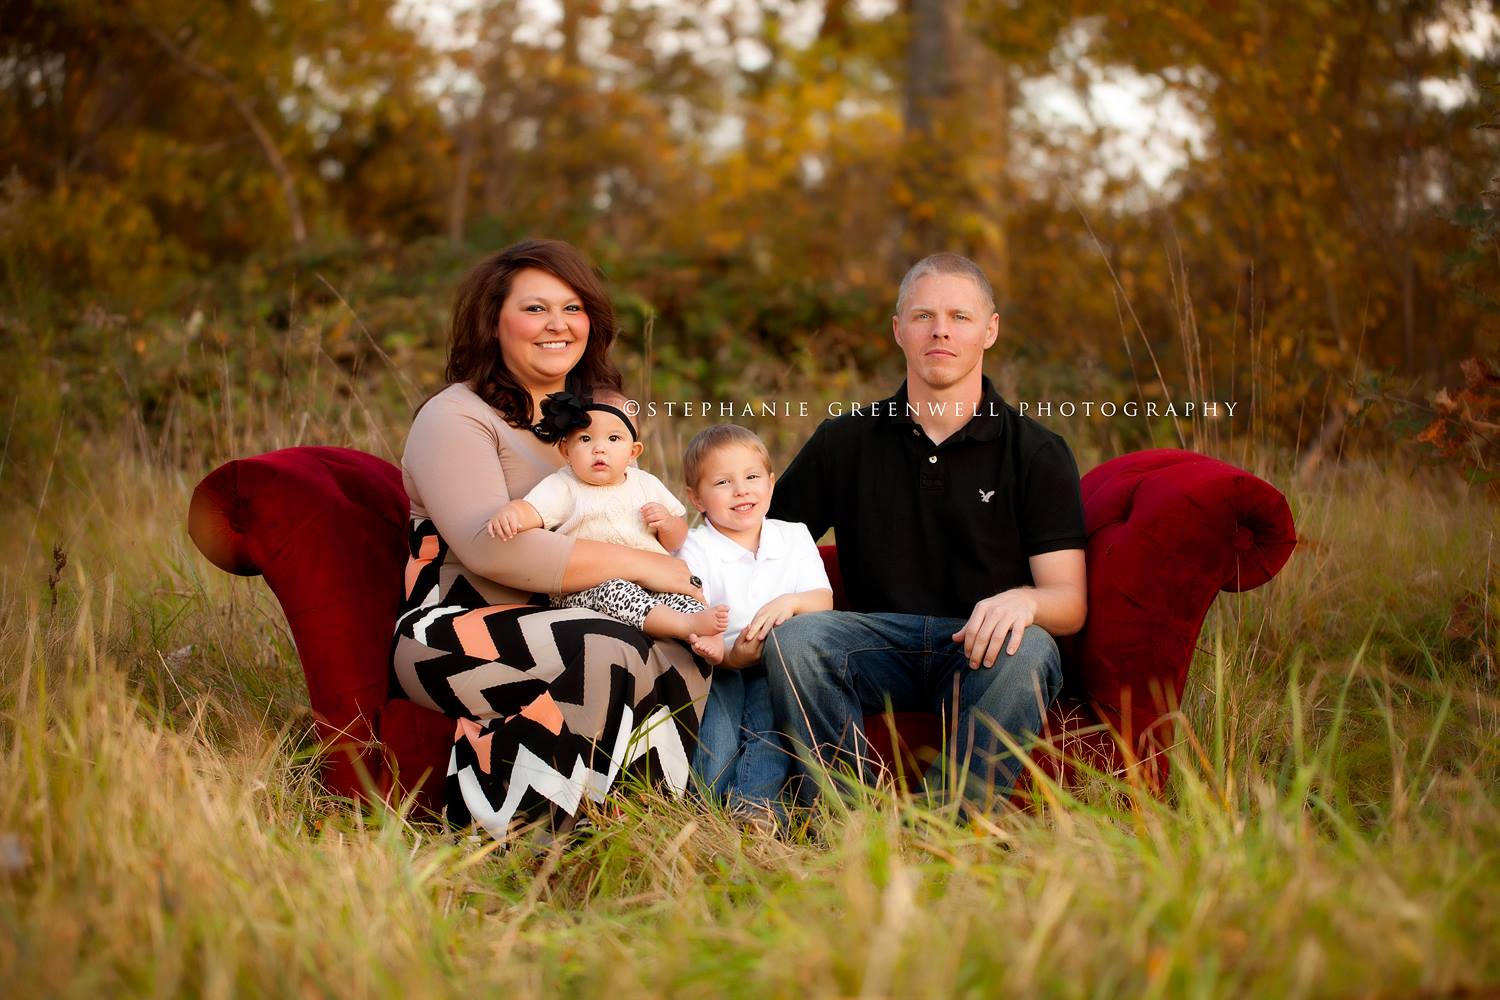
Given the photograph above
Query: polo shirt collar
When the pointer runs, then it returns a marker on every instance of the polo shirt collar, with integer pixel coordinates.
(985, 425)
(772, 545)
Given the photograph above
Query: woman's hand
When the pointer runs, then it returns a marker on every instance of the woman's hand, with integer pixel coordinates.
(668, 575)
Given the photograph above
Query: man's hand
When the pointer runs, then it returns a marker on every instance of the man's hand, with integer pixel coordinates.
(773, 613)
(993, 619)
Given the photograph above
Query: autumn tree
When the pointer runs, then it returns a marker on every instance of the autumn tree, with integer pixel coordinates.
(147, 137)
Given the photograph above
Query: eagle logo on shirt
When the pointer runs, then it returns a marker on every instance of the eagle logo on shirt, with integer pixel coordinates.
(984, 495)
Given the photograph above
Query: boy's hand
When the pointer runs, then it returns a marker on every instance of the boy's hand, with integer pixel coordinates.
(774, 613)
(655, 515)
(744, 653)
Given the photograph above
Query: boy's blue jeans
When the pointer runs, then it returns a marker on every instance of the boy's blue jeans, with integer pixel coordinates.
(828, 670)
(739, 757)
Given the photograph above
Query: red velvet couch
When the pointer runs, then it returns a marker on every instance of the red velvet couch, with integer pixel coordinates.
(326, 527)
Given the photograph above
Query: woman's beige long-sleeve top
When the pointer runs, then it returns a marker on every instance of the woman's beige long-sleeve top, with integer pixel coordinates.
(462, 463)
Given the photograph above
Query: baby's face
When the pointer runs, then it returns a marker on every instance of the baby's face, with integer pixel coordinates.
(601, 452)
(734, 489)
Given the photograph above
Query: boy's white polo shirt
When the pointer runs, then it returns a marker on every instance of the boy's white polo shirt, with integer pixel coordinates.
(787, 562)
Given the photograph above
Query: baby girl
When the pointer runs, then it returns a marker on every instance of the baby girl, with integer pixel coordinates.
(599, 495)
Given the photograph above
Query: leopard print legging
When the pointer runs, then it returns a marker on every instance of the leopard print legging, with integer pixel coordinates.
(625, 601)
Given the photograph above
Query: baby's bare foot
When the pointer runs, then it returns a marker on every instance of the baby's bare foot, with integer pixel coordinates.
(711, 648)
(710, 621)
(663, 622)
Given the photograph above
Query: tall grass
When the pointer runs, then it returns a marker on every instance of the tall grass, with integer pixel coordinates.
(1331, 825)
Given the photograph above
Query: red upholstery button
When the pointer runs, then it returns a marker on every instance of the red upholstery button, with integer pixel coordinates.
(1244, 538)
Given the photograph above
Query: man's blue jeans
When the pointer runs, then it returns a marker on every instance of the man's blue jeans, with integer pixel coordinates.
(739, 757)
(829, 669)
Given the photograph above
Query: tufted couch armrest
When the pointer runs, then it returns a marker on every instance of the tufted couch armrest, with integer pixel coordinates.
(327, 529)
(1168, 530)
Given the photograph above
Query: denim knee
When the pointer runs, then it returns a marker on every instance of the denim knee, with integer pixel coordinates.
(795, 647)
(1034, 670)
(1040, 656)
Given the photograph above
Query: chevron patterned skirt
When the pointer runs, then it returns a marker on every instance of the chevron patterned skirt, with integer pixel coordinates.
(553, 707)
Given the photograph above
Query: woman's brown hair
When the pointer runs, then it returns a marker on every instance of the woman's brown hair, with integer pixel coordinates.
(474, 347)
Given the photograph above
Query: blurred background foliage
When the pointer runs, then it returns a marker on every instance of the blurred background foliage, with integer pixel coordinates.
(1288, 204)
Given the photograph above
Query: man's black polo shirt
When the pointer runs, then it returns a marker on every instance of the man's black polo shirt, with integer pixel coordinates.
(934, 529)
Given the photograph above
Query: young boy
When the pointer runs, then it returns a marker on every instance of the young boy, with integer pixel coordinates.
(766, 571)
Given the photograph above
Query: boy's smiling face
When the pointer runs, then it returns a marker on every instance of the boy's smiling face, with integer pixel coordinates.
(734, 488)
(600, 453)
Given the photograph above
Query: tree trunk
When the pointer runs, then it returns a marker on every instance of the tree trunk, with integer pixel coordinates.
(498, 166)
(989, 176)
(956, 121)
(835, 26)
(931, 54)
(458, 197)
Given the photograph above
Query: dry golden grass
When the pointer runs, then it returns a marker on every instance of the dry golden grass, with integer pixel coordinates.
(1331, 827)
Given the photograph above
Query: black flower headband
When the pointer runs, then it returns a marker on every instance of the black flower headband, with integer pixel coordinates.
(563, 412)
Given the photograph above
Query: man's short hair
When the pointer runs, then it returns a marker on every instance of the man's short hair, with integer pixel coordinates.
(710, 440)
(944, 263)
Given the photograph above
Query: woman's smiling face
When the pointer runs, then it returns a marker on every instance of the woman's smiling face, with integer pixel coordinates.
(543, 330)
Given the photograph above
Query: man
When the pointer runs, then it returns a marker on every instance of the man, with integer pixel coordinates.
(960, 536)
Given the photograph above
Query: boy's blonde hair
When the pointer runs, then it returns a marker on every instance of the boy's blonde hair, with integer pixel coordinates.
(710, 440)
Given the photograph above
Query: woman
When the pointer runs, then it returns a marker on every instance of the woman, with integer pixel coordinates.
(551, 704)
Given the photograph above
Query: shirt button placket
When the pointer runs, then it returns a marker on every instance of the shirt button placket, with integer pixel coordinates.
(931, 477)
